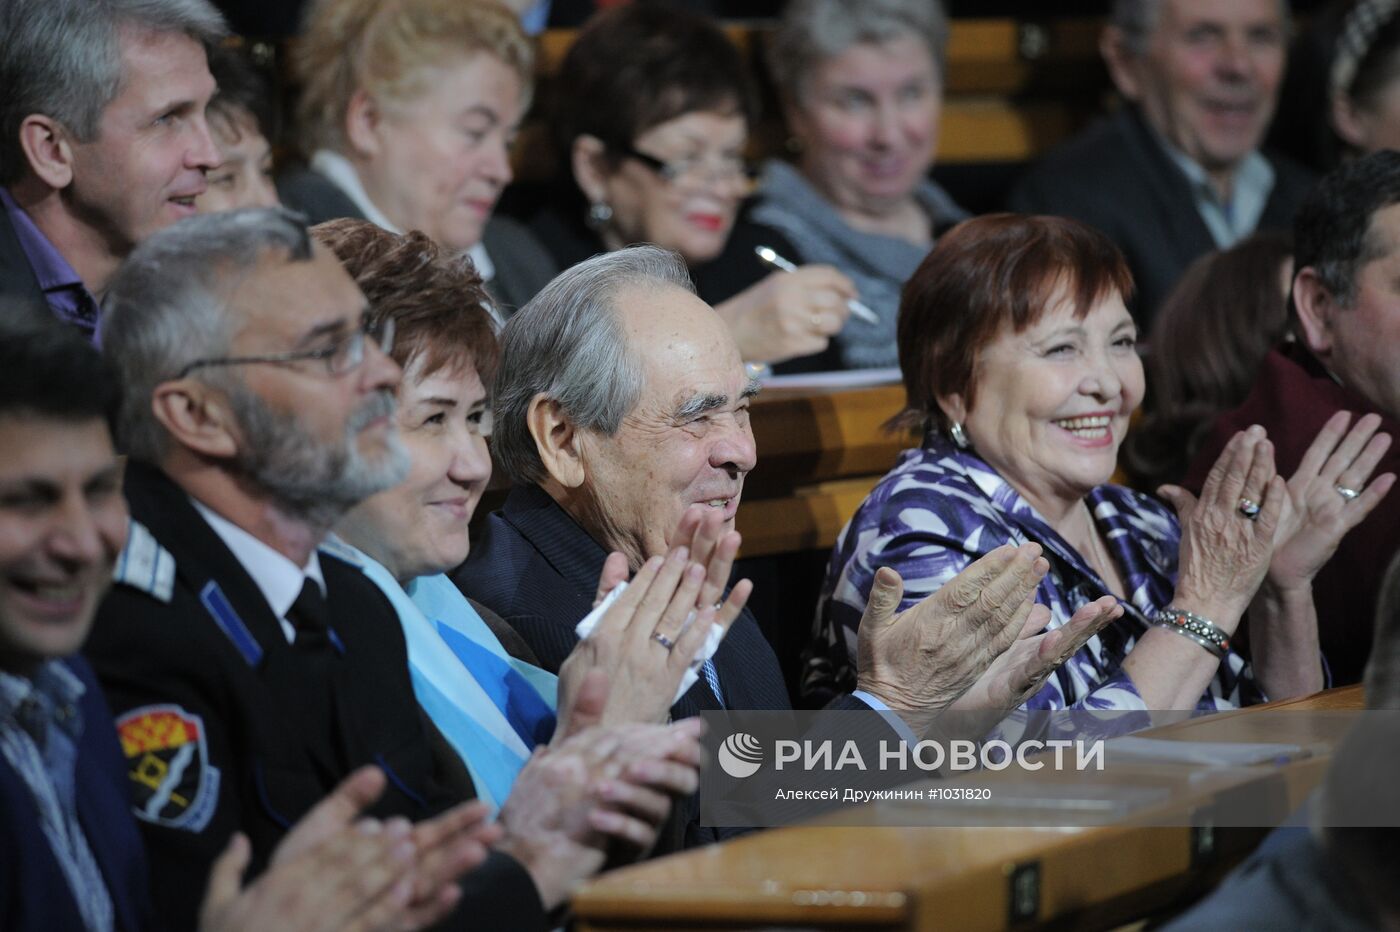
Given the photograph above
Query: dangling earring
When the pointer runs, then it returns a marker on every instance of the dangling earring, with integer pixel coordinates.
(955, 430)
(599, 213)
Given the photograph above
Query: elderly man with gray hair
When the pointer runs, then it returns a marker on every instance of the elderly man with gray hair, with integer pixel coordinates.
(1178, 170)
(622, 418)
(102, 138)
(248, 673)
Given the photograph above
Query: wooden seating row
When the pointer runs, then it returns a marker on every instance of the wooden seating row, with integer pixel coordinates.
(892, 877)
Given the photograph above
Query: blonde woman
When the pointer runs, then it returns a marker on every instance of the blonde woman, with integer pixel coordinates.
(407, 114)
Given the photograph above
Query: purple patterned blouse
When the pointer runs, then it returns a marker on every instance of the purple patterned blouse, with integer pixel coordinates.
(940, 508)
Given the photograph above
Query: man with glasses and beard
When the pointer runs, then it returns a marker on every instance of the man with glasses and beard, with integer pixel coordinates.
(249, 674)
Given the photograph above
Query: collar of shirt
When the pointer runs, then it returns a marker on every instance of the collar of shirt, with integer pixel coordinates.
(61, 285)
(53, 686)
(342, 174)
(278, 578)
(1228, 221)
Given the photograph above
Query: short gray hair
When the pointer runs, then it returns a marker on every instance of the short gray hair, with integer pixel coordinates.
(62, 58)
(568, 343)
(812, 31)
(1137, 19)
(167, 305)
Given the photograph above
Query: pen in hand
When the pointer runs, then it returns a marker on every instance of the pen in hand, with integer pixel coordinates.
(778, 262)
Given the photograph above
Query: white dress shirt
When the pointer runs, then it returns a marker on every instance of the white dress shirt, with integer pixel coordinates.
(277, 577)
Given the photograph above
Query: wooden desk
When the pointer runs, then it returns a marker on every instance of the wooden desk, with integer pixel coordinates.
(892, 877)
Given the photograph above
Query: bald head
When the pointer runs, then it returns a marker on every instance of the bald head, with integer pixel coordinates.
(669, 329)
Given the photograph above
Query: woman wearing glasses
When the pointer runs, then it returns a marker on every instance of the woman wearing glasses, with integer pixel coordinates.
(653, 112)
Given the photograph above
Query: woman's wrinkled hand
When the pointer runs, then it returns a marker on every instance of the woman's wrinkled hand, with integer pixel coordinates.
(1316, 516)
(789, 314)
(1224, 554)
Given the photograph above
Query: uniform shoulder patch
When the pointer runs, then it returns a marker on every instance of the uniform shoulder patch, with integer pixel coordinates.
(144, 564)
(173, 783)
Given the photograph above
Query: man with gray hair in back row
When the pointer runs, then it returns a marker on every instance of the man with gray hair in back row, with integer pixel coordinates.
(1178, 170)
(103, 139)
(249, 673)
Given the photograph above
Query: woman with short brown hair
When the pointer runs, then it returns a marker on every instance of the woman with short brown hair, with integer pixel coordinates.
(1021, 368)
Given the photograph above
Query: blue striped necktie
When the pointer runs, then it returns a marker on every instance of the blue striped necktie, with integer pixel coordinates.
(712, 677)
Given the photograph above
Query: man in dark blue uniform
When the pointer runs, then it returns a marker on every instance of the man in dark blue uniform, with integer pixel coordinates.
(250, 674)
(63, 779)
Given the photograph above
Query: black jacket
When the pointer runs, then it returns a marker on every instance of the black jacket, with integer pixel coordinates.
(226, 726)
(1115, 176)
(34, 891)
(522, 265)
(562, 232)
(538, 569)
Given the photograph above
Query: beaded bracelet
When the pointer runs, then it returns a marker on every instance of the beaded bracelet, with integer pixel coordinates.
(1201, 630)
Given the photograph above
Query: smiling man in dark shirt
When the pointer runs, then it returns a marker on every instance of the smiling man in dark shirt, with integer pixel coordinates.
(103, 139)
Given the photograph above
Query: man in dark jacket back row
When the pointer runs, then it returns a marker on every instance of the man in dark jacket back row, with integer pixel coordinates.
(1178, 170)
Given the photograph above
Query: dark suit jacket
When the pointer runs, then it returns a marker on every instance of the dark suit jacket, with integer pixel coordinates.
(1292, 397)
(538, 569)
(17, 280)
(523, 266)
(228, 727)
(1116, 177)
(34, 893)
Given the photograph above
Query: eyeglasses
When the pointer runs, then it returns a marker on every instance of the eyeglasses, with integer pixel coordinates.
(340, 357)
(694, 172)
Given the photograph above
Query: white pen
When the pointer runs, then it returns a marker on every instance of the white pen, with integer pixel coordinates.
(778, 262)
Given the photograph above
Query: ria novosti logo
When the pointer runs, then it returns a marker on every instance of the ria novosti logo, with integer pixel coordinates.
(740, 755)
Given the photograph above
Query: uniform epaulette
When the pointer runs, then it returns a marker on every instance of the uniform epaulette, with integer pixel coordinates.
(145, 564)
